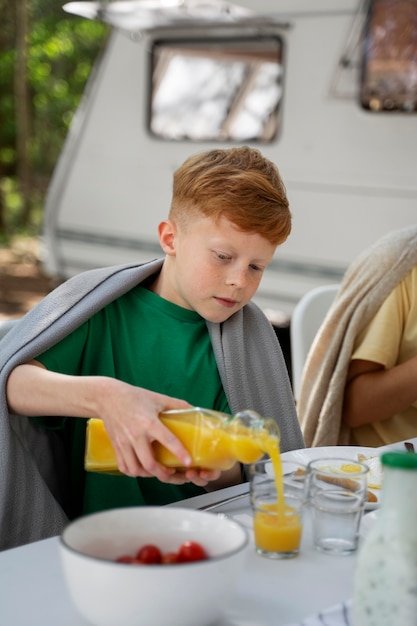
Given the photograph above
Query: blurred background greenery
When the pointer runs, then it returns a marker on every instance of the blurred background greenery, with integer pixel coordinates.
(46, 56)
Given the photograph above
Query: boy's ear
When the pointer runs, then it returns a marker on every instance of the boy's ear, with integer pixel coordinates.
(167, 231)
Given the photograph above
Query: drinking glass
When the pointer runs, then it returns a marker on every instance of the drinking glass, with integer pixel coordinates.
(337, 492)
(277, 505)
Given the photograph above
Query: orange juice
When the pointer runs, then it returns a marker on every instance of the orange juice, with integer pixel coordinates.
(207, 443)
(274, 454)
(277, 530)
(99, 452)
(250, 444)
(214, 440)
(277, 524)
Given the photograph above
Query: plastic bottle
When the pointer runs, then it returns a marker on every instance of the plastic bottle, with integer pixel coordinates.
(385, 583)
(214, 440)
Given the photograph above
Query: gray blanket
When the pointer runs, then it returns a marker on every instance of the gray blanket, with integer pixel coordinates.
(250, 363)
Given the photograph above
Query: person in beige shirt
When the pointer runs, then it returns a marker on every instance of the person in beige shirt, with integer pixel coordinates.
(380, 400)
(359, 383)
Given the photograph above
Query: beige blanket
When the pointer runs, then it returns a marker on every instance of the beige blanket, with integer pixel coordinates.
(366, 284)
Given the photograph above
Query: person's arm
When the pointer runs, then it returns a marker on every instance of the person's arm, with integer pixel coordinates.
(373, 393)
(130, 415)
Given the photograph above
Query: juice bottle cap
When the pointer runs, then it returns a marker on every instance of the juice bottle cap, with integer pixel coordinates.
(402, 460)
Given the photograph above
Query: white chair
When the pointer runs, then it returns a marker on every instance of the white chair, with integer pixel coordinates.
(5, 326)
(306, 320)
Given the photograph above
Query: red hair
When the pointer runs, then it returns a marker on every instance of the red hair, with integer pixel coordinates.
(239, 184)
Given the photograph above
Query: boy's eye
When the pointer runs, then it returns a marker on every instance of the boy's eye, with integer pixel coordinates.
(257, 268)
(223, 257)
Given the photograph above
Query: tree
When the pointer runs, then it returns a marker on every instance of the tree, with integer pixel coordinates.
(22, 108)
(7, 149)
(45, 60)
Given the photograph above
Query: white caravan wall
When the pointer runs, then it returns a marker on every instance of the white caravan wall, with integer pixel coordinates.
(350, 174)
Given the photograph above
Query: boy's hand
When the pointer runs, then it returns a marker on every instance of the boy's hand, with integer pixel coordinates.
(130, 415)
(201, 478)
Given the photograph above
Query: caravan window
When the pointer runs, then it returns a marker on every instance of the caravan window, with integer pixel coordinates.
(216, 89)
(389, 64)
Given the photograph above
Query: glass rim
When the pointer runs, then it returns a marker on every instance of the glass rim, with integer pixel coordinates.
(261, 463)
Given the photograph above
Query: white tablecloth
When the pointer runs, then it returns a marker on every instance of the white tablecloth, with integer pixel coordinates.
(270, 593)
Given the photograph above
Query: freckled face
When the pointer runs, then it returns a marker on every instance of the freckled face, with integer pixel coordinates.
(212, 268)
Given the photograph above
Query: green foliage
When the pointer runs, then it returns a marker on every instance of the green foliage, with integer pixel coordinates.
(7, 130)
(59, 65)
(61, 52)
(60, 60)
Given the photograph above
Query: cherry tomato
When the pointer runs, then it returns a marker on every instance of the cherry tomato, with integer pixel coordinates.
(169, 558)
(191, 551)
(125, 558)
(149, 554)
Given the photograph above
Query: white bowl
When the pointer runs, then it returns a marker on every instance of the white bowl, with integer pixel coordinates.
(107, 593)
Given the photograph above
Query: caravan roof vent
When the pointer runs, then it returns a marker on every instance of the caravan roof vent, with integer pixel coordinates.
(134, 15)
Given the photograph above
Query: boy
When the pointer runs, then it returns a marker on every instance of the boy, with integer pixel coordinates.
(125, 343)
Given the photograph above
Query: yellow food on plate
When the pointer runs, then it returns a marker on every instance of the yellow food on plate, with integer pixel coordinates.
(375, 469)
(350, 468)
(338, 480)
(345, 482)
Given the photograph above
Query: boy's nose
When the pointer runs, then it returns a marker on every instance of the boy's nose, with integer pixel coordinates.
(237, 277)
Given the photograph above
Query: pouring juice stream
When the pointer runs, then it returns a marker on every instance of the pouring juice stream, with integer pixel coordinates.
(277, 526)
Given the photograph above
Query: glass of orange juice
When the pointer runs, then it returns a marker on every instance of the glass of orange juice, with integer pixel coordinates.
(277, 501)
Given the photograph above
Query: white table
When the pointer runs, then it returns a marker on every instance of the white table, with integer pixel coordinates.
(270, 593)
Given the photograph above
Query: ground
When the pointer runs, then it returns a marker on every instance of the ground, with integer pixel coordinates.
(22, 281)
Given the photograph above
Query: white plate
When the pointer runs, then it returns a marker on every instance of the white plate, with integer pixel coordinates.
(305, 455)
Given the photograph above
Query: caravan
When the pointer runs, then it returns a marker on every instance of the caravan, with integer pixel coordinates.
(301, 80)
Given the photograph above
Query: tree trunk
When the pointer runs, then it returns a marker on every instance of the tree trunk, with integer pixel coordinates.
(2, 212)
(22, 104)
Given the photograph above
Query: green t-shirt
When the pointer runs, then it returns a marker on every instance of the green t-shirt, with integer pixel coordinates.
(144, 340)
